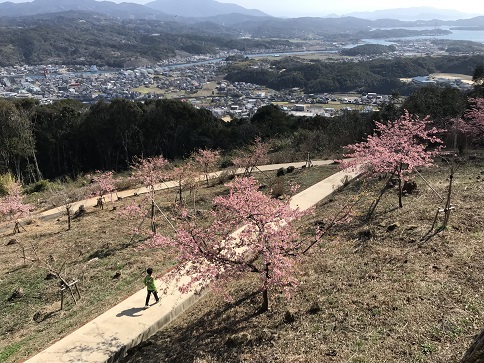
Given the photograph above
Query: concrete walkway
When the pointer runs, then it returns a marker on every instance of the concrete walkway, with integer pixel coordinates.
(91, 202)
(108, 337)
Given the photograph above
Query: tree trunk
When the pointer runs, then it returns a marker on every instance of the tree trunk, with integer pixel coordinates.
(265, 293)
(265, 301)
(475, 353)
(68, 209)
(447, 209)
(153, 224)
(206, 176)
(373, 205)
(400, 186)
(400, 203)
(18, 171)
(36, 164)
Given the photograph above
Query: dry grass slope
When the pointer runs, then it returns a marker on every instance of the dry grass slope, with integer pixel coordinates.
(99, 251)
(371, 292)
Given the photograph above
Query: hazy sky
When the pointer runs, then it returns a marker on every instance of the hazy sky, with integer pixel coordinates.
(340, 7)
(293, 8)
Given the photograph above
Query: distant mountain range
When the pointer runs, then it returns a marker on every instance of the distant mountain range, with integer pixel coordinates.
(200, 8)
(412, 14)
(123, 10)
(202, 17)
(158, 9)
(187, 10)
(117, 35)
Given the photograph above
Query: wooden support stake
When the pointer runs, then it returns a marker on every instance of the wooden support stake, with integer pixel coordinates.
(69, 287)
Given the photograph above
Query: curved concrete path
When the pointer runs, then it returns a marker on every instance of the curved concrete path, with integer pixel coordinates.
(108, 337)
(91, 202)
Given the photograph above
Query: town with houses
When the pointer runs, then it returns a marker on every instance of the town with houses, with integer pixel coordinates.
(187, 79)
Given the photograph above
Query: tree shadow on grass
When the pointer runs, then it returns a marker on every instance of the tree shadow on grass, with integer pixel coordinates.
(220, 333)
(431, 234)
(475, 353)
(384, 212)
(16, 269)
(105, 252)
(41, 316)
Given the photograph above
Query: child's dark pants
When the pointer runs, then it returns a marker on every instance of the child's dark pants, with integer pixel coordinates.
(155, 294)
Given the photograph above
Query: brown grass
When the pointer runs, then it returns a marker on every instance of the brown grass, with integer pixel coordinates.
(367, 293)
(99, 246)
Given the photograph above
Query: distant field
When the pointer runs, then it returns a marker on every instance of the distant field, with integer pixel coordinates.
(322, 56)
(145, 90)
(464, 77)
(169, 93)
(310, 56)
(207, 90)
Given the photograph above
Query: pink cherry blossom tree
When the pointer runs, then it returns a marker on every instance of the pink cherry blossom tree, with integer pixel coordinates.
(150, 172)
(457, 127)
(266, 245)
(256, 154)
(398, 147)
(471, 125)
(102, 184)
(136, 212)
(206, 161)
(12, 207)
(475, 118)
(185, 178)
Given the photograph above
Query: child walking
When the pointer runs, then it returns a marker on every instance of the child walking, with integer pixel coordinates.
(150, 286)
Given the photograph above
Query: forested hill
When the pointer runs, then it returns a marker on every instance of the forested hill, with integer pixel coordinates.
(74, 40)
(368, 49)
(379, 75)
(67, 138)
(79, 36)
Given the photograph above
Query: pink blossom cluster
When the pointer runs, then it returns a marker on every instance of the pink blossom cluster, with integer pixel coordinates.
(150, 171)
(265, 243)
(475, 118)
(12, 206)
(255, 155)
(103, 183)
(207, 160)
(398, 146)
(185, 177)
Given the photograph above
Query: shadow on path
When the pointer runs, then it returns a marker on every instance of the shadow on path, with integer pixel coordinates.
(133, 312)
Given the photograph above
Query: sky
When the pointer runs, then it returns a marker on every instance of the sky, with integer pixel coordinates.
(292, 8)
(341, 7)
